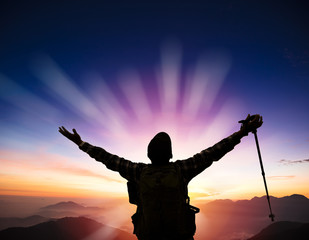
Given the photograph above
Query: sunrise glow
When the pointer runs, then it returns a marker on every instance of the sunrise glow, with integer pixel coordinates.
(122, 117)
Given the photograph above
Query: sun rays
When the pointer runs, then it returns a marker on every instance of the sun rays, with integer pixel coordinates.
(123, 113)
(183, 98)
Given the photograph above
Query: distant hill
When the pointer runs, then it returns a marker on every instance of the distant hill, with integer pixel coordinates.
(284, 231)
(245, 218)
(68, 209)
(68, 206)
(67, 229)
(22, 222)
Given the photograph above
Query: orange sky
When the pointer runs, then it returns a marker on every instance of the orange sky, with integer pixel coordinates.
(48, 174)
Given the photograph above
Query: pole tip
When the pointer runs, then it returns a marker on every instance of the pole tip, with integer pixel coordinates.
(272, 217)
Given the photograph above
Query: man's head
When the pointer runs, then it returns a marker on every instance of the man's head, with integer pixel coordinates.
(160, 149)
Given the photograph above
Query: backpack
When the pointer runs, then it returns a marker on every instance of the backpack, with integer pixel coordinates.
(163, 203)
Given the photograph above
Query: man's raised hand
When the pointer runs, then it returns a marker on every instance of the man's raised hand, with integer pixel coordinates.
(255, 122)
(251, 123)
(74, 137)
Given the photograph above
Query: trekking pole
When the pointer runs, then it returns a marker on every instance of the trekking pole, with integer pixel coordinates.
(271, 215)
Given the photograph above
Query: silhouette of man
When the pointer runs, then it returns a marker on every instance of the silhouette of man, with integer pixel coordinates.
(164, 214)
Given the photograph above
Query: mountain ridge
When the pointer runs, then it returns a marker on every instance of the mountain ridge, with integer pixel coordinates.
(68, 209)
(225, 218)
(67, 205)
(7, 222)
(248, 217)
(68, 228)
(283, 230)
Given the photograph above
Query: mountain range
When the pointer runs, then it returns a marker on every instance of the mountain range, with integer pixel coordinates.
(244, 218)
(66, 229)
(218, 220)
(83, 228)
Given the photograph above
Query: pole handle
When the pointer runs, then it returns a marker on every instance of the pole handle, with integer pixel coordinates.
(248, 119)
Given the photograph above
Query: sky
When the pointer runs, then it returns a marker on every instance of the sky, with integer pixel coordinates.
(121, 72)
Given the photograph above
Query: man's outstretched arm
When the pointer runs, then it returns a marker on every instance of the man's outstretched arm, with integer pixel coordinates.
(199, 162)
(126, 168)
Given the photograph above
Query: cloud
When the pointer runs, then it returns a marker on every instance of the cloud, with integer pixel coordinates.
(25, 163)
(289, 162)
(281, 177)
(84, 172)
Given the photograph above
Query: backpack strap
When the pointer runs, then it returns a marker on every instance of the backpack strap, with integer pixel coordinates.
(192, 208)
(132, 192)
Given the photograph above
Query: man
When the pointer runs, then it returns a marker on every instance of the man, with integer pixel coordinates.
(160, 188)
